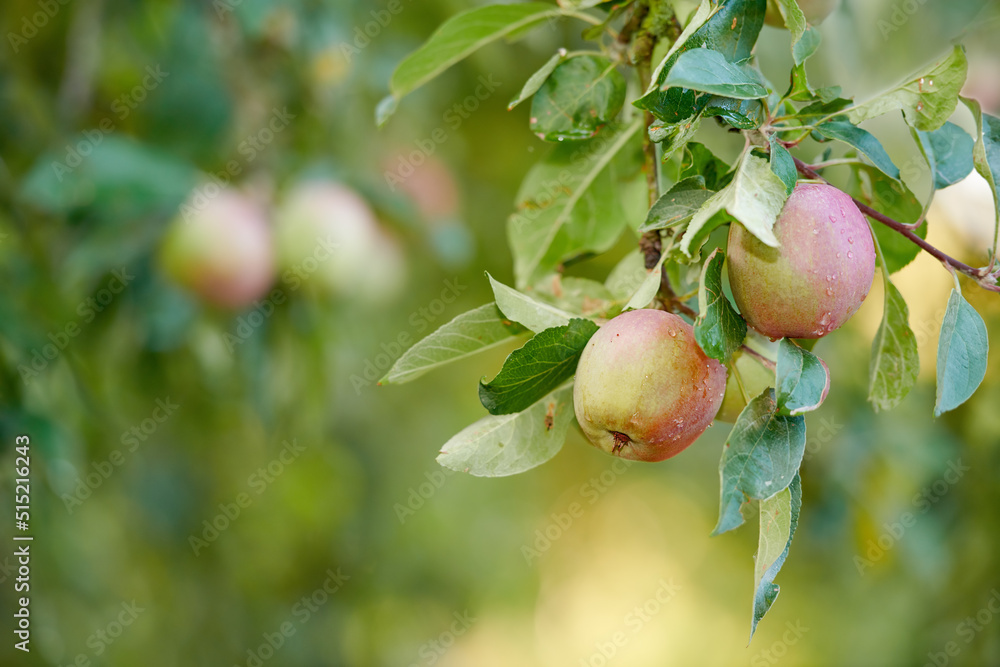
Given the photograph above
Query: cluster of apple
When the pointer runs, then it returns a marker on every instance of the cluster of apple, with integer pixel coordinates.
(644, 388)
(228, 249)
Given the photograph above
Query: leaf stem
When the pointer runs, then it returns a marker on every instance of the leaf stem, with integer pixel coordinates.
(983, 277)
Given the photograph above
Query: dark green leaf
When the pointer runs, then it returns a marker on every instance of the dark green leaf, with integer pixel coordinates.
(719, 329)
(782, 164)
(700, 161)
(470, 333)
(895, 363)
(741, 114)
(864, 141)
(502, 445)
(580, 96)
(760, 459)
(803, 379)
(805, 46)
(531, 372)
(948, 151)
(731, 30)
(779, 516)
(710, 72)
(673, 137)
(678, 204)
(815, 111)
(963, 349)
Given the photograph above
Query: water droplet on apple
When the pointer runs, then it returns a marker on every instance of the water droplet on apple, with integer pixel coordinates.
(833, 218)
(673, 334)
(815, 231)
(829, 291)
(850, 255)
(850, 239)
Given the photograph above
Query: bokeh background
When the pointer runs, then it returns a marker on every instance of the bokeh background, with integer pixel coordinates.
(351, 546)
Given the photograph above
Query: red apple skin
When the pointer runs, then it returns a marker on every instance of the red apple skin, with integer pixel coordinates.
(221, 250)
(815, 11)
(819, 276)
(644, 390)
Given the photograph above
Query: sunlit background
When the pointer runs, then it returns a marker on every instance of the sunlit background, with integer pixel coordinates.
(217, 483)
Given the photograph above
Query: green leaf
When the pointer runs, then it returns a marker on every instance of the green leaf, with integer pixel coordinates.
(673, 137)
(948, 151)
(678, 204)
(895, 200)
(895, 363)
(986, 155)
(649, 286)
(719, 329)
(568, 204)
(795, 20)
(700, 161)
(732, 30)
(864, 141)
(536, 80)
(927, 100)
(741, 114)
(521, 308)
(470, 333)
(627, 275)
(783, 165)
(582, 296)
(802, 379)
(582, 95)
(502, 445)
(755, 197)
(963, 349)
(805, 46)
(460, 36)
(532, 371)
(708, 71)
(760, 459)
(779, 516)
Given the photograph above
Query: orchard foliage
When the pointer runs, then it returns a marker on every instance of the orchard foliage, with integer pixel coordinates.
(622, 117)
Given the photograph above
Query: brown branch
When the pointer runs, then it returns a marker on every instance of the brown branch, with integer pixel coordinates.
(981, 276)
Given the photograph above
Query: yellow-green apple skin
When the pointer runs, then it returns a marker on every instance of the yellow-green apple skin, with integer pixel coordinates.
(644, 389)
(221, 249)
(756, 378)
(330, 242)
(818, 277)
(815, 11)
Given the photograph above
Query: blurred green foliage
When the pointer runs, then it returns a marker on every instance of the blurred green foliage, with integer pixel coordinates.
(138, 102)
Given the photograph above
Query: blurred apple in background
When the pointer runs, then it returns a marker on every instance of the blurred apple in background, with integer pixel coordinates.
(220, 248)
(969, 208)
(330, 242)
(981, 82)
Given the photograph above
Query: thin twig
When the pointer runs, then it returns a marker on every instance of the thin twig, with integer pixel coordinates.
(981, 276)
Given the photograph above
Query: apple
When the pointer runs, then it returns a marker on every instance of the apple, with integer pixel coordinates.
(644, 388)
(818, 277)
(220, 248)
(330, 242)
(815, 11)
